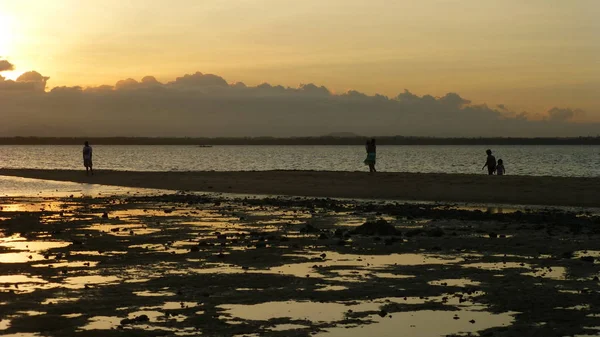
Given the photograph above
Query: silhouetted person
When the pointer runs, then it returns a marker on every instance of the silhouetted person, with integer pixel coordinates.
(87, 158)
(490, 162)
(371, 155)
(500, 168)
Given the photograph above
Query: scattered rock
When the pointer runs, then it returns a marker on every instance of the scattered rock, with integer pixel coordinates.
(587, 259)
(379, 227)
(138, 319)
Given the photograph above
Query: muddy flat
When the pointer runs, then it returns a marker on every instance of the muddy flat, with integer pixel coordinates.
(193, 264)
(522, 190)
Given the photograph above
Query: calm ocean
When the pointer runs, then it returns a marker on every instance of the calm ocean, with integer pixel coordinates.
(581, 161)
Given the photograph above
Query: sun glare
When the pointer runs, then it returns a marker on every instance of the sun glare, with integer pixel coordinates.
(5, 34)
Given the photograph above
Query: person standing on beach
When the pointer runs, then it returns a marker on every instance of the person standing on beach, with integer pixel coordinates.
(371, 155)
(500, 168)
(87, 158)
(490, 162)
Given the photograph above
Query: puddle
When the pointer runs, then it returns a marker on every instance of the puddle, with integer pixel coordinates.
(123, 229)
(60, 300)
(455, 283)
(18, 279)
(73, 264)
(33, 246)
(155, 293)
(20, 257)
(368, 264)
(102, 323)
(555, 273)
(285, 327)
(31, 313)
(82, 281)
(498, 265)
(178, 305)
(4, 324)
(312, 311)
(423, 323)
(332, 288)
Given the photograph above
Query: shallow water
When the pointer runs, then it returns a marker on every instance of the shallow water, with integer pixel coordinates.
(518, 160)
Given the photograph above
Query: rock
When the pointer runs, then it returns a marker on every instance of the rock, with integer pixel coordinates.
(587, 259)
(492, 235)
(308, 228)
(379, 227)
(414, 232)
(323, 236)
(338, 233)
(104, 215)
(138, 319)
(383, 313)
(567, 255)
(435, 232)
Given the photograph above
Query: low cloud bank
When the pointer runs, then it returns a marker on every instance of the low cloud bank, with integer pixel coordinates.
(206, 105)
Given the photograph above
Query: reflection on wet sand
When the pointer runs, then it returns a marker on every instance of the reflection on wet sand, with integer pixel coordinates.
(185, 265)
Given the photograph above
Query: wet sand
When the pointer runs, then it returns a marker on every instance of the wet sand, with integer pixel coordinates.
(183, 264)
(523, 190)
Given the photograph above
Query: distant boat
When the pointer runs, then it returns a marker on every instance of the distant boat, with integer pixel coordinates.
(204, 145)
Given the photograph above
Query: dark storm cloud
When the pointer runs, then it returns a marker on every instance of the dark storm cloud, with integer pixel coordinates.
(206, 105)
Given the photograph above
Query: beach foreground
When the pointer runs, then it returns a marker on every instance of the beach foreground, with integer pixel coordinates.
(190, 265)
(524, 190)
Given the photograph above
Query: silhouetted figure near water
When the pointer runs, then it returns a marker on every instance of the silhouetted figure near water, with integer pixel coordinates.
(87, 159)
(490, 162)
(500, 168)
(371, 155)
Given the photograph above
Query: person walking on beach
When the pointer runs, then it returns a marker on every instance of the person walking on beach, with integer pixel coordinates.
(490, 162)
(87, 158)
(500, 168)
(371, 155)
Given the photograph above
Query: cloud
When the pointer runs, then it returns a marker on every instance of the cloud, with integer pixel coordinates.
(199, 80)
(6, 66)
(206, 105)
(29, 81)
(563, 114)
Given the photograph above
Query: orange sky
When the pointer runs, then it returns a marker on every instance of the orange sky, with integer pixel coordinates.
(529, 55)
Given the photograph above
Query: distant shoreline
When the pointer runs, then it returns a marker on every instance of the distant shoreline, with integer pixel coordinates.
(475, 188)
(323, 140)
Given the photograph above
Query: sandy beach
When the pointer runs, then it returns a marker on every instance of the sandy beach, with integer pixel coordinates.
(523, 190)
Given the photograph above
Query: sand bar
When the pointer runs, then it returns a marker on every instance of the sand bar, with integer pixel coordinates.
(527, 190)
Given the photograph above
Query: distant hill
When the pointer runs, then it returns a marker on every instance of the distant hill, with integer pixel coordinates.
(342, 135)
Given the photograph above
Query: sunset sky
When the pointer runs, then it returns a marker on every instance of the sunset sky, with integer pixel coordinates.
(527, 55)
